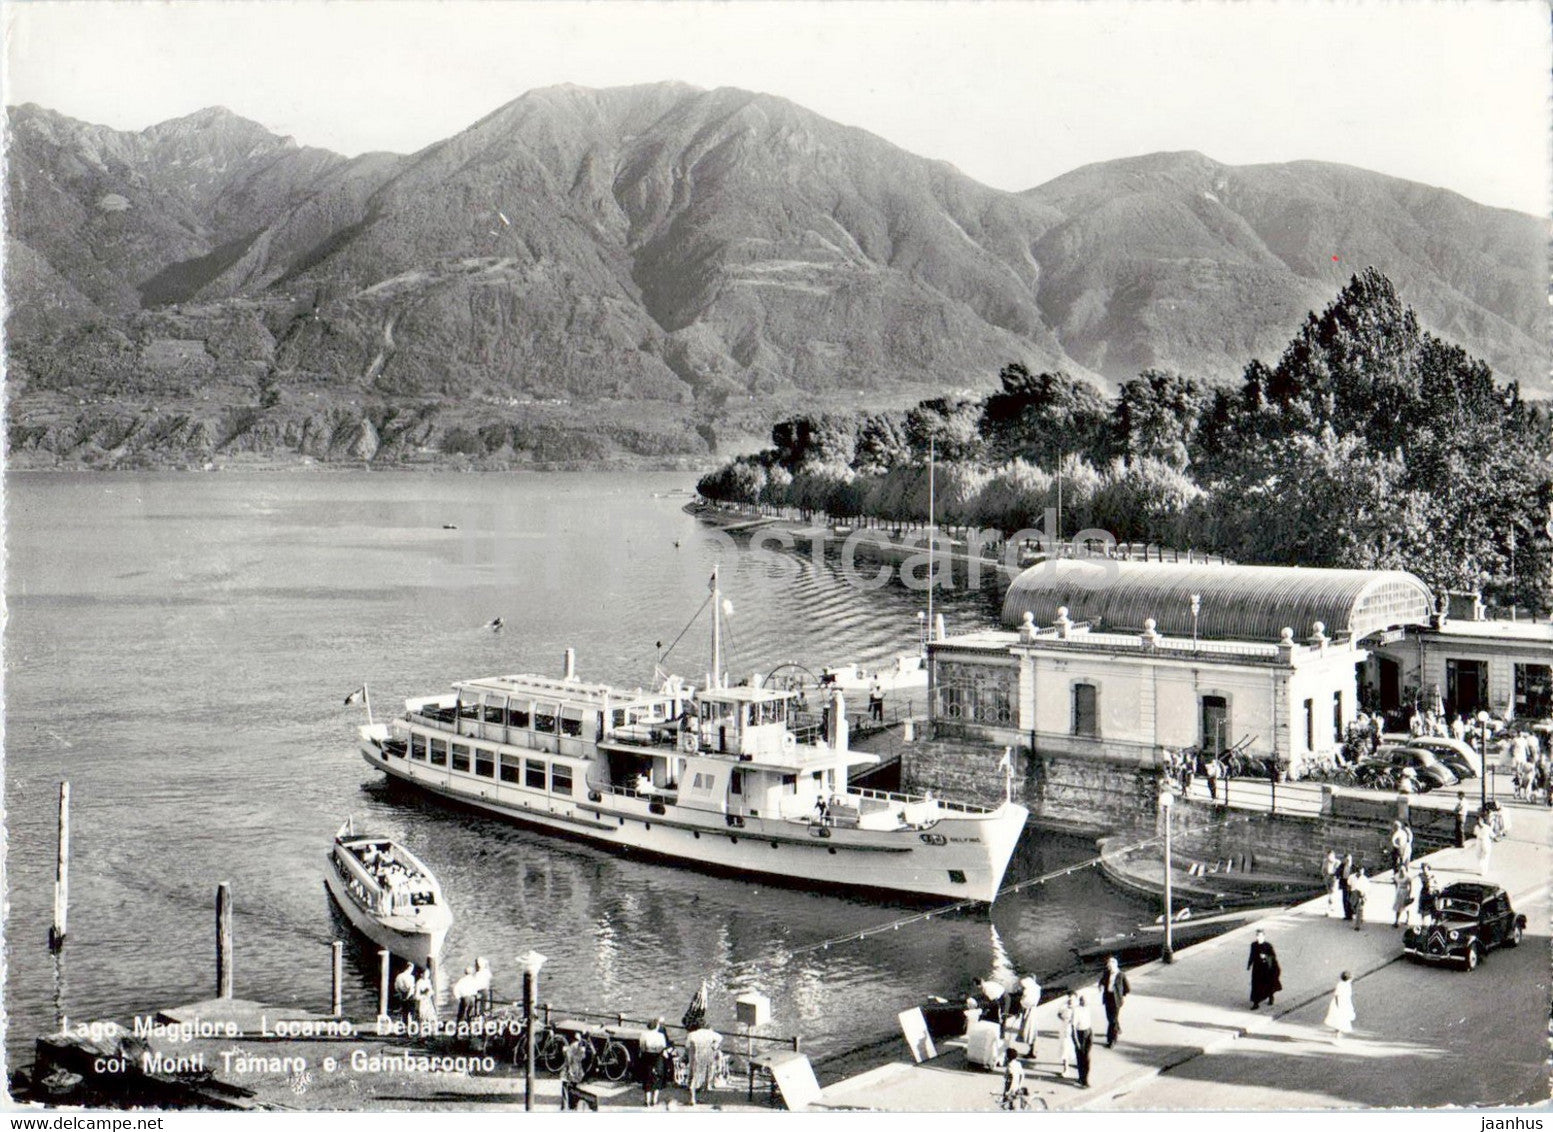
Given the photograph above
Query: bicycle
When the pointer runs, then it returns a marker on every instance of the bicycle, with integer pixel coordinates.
(610, 1058)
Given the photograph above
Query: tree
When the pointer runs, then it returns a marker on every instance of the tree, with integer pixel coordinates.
(1156, 417)
(1039, 417)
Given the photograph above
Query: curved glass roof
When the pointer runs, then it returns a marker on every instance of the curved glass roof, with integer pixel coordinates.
(1250, 603)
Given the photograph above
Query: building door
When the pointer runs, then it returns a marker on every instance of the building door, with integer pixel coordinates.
(1466, 686)
(1215, 724)
(1390, 673)
(1084, 720)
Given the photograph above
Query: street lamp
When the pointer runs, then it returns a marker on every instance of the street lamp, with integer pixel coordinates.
(531, 961)
(1483, 748)
(1196, 608)
(1167, 953)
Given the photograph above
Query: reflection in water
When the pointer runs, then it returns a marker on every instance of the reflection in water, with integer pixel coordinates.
(179, 647)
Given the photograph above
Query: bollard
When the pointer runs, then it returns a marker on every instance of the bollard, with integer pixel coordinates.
(61, 872)
(336, 978)
(382, 982)
(223, 940)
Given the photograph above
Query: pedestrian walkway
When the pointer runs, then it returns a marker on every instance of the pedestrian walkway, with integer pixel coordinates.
(1190, 1040)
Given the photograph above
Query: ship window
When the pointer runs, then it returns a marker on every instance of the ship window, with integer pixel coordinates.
(517, 716)
(418, 747)
(485, 763)
(461, 757)
(468, 709)
(511, 766)
(544, 720)
(617, 718)
(439, 752)
(571, 723)
(560, 779)
(494, 712)
(790, 783)
(534, 774)
(736, 782)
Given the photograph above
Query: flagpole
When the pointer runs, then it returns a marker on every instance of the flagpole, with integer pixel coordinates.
(932, 502)
(717, 636)
(367, 696)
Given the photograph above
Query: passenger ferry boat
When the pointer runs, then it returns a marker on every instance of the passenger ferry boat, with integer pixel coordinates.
(388, 895)
(714, 777)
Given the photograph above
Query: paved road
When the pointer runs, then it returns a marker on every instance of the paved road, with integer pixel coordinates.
(1425, 1037)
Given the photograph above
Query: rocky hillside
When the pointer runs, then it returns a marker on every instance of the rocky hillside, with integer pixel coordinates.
(649, 270)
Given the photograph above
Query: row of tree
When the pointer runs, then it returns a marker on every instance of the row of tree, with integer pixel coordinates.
(1371, 443)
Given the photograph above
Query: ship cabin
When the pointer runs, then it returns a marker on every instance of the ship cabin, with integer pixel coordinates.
(737, 756)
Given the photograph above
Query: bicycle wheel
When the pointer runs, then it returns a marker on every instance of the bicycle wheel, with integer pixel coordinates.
(615, 1062)
(551, 1051)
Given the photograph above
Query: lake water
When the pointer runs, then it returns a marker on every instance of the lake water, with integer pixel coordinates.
(178, 648)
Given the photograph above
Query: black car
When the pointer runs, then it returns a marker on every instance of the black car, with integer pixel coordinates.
(1470, 919)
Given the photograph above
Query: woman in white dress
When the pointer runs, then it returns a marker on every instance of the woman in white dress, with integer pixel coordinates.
(1065, 1051)
(1485, 840)
(1340, 1012)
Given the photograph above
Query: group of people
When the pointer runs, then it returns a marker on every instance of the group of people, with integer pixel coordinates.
(654, 1064)
(1182, 768)
(1531, 768)
(401, 886)
(415, 995)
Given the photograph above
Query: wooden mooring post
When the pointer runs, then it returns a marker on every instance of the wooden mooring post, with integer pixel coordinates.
(223, 940)
(61, 873)
(336, 978)
(382, 982)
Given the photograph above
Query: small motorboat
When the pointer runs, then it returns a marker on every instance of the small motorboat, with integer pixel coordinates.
(388, 895)
(1186, 928)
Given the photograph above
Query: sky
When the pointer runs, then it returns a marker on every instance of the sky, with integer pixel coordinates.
(1012, 92)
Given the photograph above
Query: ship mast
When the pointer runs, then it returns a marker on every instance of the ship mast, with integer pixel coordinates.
(717, 633)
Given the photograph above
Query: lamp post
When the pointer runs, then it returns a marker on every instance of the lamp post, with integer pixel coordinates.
(1167, 952)
(1196, 609)
(1483, 749)
(531, 961)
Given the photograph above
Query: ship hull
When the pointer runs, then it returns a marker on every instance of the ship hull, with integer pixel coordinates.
(418, 946)
(960, 857)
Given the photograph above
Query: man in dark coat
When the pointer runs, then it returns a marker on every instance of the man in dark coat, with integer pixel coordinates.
(1344, 871)
(1263, 965)
(1113, 991)
(1459, 821)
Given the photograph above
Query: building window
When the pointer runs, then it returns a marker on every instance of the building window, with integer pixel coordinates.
(1310, 725)
(1533, 691)
(1215, 724)
(1086, 721)
(1337, 717)
(976, 693)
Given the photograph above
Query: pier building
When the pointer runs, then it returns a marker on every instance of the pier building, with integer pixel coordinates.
(1124, 660)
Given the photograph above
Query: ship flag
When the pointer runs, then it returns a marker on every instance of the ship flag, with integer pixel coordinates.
(695, 1013)
(357, 696)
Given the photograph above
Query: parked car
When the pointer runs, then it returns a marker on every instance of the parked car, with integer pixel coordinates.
(1462, 760)
(1471, 919)
(1431, 772)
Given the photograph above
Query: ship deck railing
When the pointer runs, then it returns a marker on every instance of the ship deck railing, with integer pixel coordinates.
(891, 796)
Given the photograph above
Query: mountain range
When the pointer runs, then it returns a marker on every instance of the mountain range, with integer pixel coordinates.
(651, 271)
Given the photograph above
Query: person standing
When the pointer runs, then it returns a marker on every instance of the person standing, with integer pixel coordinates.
(1029, 1001)
(1459, 818)
(652, 1062)
(1113, 992)
(465, 994)
(1066, 1054)
(1340, 1012)
(574, 1070)
(425, 1001)
(1265, 972)
(1083, 1039)
(1329, 867)
(1211, 773)
(702, 1048)
(404, 992)
(876, 703)
(1426, 891)
(1403, 902)
(1345, 882)
(1485, 842)
(1358, 893)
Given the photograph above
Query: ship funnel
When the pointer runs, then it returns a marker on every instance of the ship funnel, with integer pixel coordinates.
(569, 672)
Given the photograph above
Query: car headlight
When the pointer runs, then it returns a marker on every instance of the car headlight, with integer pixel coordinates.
(1455, 936)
